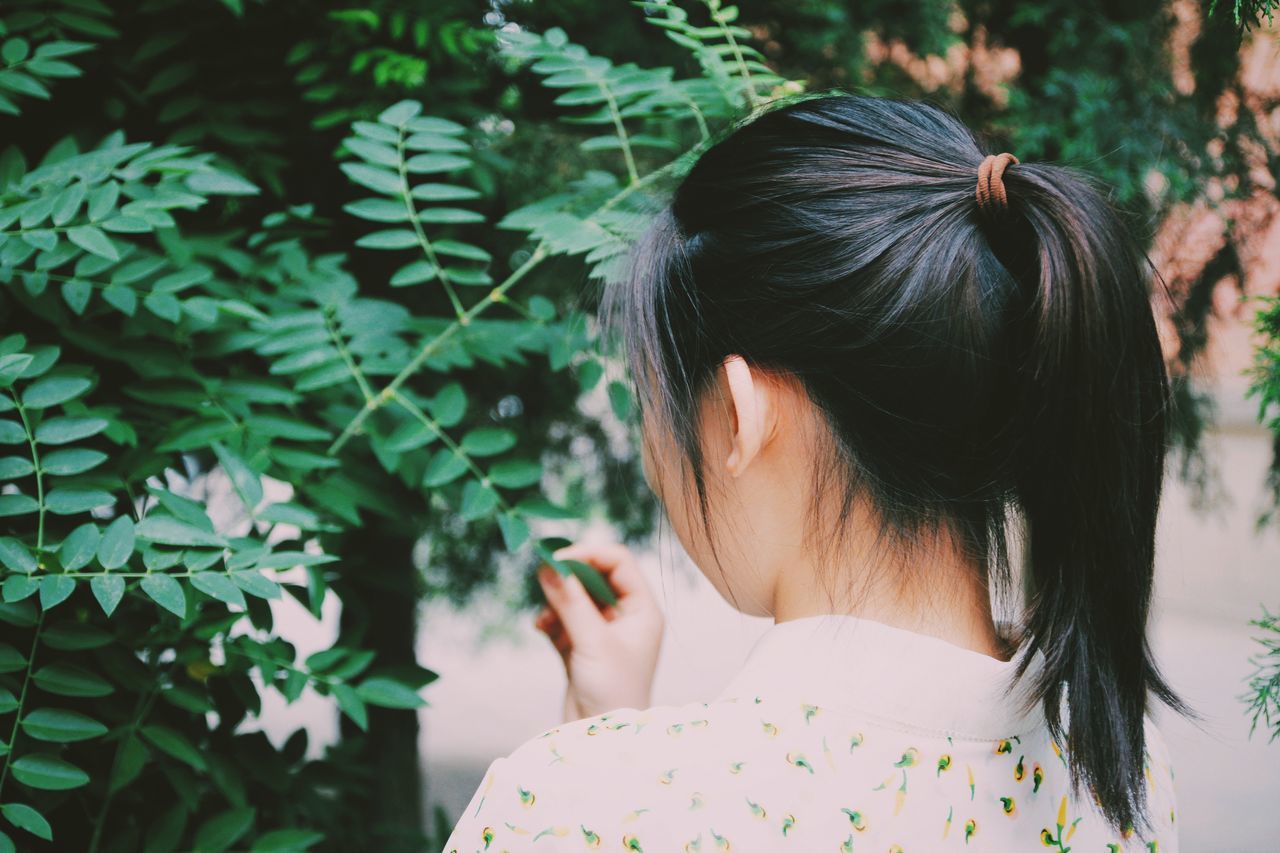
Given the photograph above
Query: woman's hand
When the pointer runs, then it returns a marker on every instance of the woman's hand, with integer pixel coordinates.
(609, 654)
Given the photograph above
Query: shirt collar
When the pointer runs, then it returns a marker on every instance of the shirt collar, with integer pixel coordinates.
(896, 677)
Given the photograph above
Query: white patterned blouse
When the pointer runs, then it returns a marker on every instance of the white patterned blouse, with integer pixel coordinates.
(838, 734)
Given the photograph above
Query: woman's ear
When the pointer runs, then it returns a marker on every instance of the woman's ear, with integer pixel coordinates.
(753, 413)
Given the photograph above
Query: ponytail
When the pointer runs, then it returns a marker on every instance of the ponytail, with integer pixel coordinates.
(1092, 395)
(971, 360)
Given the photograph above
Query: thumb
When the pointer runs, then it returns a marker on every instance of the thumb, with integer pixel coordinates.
(571, 602)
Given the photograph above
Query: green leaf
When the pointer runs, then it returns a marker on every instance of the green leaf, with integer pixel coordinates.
(92, 240)
(25, 817)
(123, 299)
(243, 478)
(477, 501)
(72, 501)
(166, 530)
(55, 589)
(79, 547)
(377, 153)
(455, 249)
(74, 460)
(515, 473)
(398, 114)
(415, 272)
(443, 192)
(515, 532)
(275, 426)
(11, 660)
(61, 726)
(130, 759)
(54, 391)
(12, 366)
(255, 583)
(65, 679)
(8, 702)
(15, 50)
(64, 430)
(167, 592)
(47, 772)
(379, 210)
(214, 182)
(16, 556)
(174, 744)
(77, 295)
(352, 705)
(221, 832)
(372, 177)
(11, 432)
(449, 216)
(448, 405)
(430, 164)
(488, 441)
(286, 841)
(117, 543)
(75, 637)
(18, 587)
(389, 693)
(219, 586)
(164, 305)
(14, 467)
(17, 505)
(108, 589)
(445, 467)
(393, 239)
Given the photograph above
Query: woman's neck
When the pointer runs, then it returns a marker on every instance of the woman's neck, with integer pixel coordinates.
(938, 593)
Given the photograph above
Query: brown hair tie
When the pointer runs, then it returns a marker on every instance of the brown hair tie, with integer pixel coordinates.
(991, 180)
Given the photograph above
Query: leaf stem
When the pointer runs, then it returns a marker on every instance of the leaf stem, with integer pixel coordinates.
(22, 698)
(35, 460)
(406, 196)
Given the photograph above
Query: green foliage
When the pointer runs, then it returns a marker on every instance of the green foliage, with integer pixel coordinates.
(159, 347)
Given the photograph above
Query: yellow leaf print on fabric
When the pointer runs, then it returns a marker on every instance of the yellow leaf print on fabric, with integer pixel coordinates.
(809, 712)
(970, 829)
(631, 842)
(735, 767)
(944, 763)
(487, 836)
(668, 775)
(756, 809)
(826, 753)
(788, 822)
(675, 728)
(1037, 778)
(633, 815)
(1008, 806)
(846, 846)
(1020, 770)
(696, 801)
(722, 843)
(946, 828)
(557, 831)
(694, 845)
(769, 728)
(591, 839)
(798, 760)
(527, 797)
(908, 758)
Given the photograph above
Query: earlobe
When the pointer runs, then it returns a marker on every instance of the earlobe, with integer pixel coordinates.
(750, 408)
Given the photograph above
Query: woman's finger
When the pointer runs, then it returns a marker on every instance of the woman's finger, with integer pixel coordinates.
(572, 604)
(614, 560)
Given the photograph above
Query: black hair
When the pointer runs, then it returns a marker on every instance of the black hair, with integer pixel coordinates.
(977, 369)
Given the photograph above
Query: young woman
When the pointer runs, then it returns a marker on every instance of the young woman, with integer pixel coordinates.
(888, 383)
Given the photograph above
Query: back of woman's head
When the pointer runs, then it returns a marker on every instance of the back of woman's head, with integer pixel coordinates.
(974, 365)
